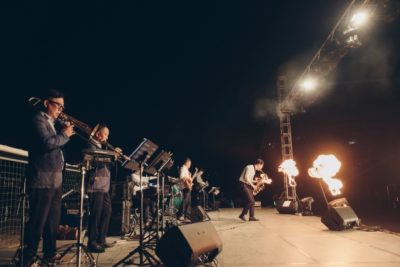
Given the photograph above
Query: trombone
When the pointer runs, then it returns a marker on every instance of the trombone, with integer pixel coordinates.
(66, 119)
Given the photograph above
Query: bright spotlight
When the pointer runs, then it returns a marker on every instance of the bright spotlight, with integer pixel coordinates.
(359, 18)
(309, 84)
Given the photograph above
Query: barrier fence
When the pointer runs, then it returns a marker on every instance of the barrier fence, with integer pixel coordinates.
(13, 164)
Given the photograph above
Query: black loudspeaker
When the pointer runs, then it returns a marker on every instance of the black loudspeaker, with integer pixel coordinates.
(340, 218)
(120, 223)
(287, 206)
(198, 214)
(181, 246)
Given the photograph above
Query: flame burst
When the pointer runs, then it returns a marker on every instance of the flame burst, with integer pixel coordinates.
(325, 167)
(289, 168)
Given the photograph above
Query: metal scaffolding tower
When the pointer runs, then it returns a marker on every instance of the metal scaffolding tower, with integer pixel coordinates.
(289, 192)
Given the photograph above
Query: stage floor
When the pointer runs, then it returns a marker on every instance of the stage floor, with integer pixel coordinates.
(281, 240)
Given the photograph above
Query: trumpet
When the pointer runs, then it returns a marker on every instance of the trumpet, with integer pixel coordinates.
(66, 119)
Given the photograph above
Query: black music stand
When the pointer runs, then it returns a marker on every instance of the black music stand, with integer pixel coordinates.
(161, 162)
(202, 191)
(90, 156)
(214, 191)
(136, 161)
(140, 155)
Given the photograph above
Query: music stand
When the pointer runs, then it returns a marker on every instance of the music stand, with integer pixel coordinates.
(203, 191)
(140, 155)
(214, 191)
(90, 156)
(161, 162)
(136, 161)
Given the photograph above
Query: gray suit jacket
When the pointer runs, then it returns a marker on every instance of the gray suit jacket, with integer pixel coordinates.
(46, 161)
(99, 176)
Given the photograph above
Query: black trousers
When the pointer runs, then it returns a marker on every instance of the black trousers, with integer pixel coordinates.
(199, 198)
(99, 217)
(149, 205)
(195, 201)
(44, 218)
(185, 209)
(248, 204)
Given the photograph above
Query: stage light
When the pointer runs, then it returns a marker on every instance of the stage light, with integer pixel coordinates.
(351, 39)
(351, 33)
(359, 19)
(309, 84)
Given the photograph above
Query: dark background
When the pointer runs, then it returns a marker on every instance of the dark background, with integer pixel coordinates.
(191, 77)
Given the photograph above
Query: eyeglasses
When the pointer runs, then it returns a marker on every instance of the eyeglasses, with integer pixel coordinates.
(58, 105)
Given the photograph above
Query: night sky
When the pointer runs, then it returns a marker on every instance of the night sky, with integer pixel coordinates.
(189, 76)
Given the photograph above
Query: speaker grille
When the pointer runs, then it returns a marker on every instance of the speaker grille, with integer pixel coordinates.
(340, 218)
(181, 246)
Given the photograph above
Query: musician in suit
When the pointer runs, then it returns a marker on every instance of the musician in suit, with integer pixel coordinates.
(44, 177)
(247, 185)
(186, 185)
(99, 198)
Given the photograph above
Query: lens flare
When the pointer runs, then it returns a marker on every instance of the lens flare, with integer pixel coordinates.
(309, 84)
(360, 18)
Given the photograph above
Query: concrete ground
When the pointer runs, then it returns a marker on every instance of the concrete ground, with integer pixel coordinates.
(276, 240)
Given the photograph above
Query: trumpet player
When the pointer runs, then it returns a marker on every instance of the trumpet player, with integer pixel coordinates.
(44, 177)
(247, 185)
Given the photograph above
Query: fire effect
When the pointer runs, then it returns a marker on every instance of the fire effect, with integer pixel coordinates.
(325, 167)
(289, 168)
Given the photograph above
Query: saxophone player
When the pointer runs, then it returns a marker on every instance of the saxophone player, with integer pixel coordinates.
(247, 185)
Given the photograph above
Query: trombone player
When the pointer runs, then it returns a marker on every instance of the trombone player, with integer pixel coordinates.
(44, 177)
(98, 189)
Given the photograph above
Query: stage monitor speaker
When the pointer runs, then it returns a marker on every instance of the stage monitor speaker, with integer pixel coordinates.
(182, 246)
(198, 214)
(287, 206)
(340, 218)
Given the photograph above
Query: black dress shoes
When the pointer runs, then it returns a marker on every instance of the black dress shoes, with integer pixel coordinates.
(242, 217)
(96, 248)
(107, 245)
(52, 259)
(253, 219)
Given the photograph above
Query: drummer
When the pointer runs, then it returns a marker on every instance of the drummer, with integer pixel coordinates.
(149, 195)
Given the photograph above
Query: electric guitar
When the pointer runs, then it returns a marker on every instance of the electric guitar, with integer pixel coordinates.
(187, 182)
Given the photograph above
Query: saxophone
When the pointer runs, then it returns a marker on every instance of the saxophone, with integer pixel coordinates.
(261, 180)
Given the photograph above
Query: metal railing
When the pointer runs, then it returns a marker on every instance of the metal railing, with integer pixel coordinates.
(13, 164)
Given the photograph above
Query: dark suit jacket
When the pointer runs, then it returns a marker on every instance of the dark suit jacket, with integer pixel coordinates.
(46, 160)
